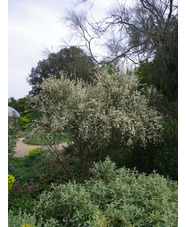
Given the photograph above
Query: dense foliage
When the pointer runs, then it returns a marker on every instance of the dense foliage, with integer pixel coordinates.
(111, 110)
(35, 173)
(27, 115)
(120, 167)
(152, 156)
(11, 180)
(72, 61)
(149, 200)
(22, 219)
(19, 105)
(13, 126)
(117, 197)
(155, 73)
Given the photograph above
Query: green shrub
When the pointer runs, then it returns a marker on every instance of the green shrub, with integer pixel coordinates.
(113, 197)
(22, 196)
(34, 151)
(13, 126)
(22, 219)
(152, 156)
(95, 114)
(35, 173)
(166, 155)
(25, 189)
(99, 220)
(21, 167)
(24, 121)
(33, 140)
(48, 170)
(11, 180)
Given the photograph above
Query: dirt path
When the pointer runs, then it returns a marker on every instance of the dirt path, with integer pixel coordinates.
(22, 149)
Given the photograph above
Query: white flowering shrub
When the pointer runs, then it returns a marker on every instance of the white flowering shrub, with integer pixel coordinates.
(95, 114)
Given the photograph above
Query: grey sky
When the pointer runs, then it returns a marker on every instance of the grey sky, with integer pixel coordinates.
(33, 26)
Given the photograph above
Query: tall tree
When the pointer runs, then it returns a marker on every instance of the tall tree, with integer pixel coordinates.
(19, 104)
(72, 61)
(143, 30)
(110, 111)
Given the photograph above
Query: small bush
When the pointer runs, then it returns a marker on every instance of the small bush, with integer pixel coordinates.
(48, 170)
(32, 140)
(22, 196)
(22, 219)
(11, 180)
(113, 197)
(21, 167)
(25, 189)
(99, 220)
(34, 151)
(24, 121)
(13, 126)
(35, 173)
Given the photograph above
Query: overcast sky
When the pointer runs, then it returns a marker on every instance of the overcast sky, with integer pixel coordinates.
(33, 26)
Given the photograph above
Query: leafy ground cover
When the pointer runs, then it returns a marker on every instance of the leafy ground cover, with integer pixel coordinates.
(110, 197)
(33, 174)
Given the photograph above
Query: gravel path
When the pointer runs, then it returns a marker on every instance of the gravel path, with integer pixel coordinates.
(22, 149)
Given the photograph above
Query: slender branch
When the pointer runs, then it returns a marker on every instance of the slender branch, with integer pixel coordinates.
(170, 11)
(147, 8)
(125, 52)
(61, 161)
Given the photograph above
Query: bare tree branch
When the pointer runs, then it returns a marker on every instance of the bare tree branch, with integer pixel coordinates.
(170, 11)
(139, 30)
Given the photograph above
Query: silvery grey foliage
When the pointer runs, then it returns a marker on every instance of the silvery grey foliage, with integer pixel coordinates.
(93, 110)
(94, 113)
(113, 197)
(29, 220)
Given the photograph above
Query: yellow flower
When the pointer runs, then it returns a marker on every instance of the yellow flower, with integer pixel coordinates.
(27, 225)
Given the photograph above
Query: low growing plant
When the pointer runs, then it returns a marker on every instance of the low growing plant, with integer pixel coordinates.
(49, 170)
(34, 151)
(21, 167)
(113, 197)
(23, 219)
(22, 197)
(99, 220)
(11, 180)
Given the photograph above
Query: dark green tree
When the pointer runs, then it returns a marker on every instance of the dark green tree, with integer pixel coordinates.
(72, 61)
(20, 104)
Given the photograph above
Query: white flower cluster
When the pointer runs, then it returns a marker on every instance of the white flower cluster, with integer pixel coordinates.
(93, 112)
